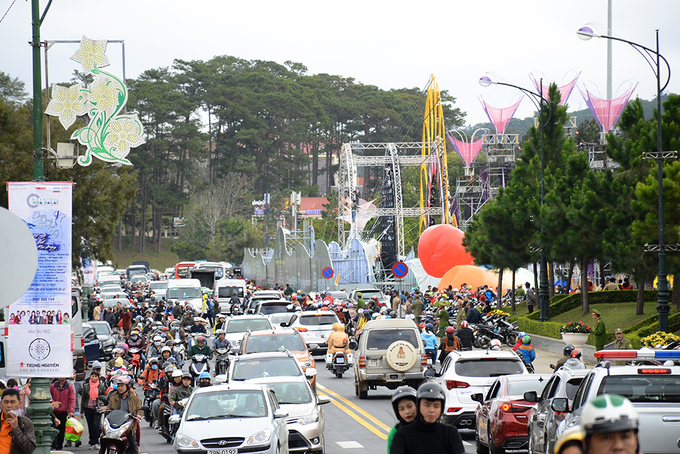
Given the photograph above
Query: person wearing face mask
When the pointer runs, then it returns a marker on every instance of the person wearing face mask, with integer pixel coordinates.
(404, 405)
(17, 435)
(128, 402)
(117, 353)
(93, 389)
(137, 341)
(155, 348)
(150, 375)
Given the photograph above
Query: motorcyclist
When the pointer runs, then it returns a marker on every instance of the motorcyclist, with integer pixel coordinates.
(117, 353)
(567, 351)
(221, 322)
(128, 401)
(176, 394)
(449, 343)
(200, 348)
(167, 388)
(150, 375)
(338, 340)
(166, 353)
(526, 351)
(465, 335)
(430, 341)
(155, 348)
(221, 341)
(519, 343)
(177, 330)
(137, 341)
(609, 423)
(404, 405)
(198, 327)
(575, 362)
(234, 303)
(188, 320)
(203, 380)
(426, 435)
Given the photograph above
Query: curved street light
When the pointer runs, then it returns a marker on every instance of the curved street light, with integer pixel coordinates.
(538, 100)
(653, 59)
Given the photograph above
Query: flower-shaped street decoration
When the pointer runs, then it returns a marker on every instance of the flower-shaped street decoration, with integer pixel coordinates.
(109, 134)
(67, 103)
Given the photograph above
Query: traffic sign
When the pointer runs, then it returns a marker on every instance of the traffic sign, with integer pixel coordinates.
(327, 272)
(399, 270)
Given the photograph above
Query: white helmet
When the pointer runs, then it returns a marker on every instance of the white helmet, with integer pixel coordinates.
(177, 373)
(157, 339)
(608, 413)
(495, 344)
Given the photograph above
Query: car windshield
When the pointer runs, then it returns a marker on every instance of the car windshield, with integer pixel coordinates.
(277, 319)
(318, 319)
(266, 367)
(228, 292)
(338, 295)
(275, 308)
(113, 302)
(518, 388)
(158, 285)
(219, 271)
(643, 388)
(492, 367)
(101, 328)
(227, 404)
(368, 294)
(275, 342)
(292, 393)
(243, 326)
(380, 339)
(180, 293)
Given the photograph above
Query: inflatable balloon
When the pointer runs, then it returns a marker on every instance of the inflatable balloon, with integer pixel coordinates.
(470, 275)
(440, 248)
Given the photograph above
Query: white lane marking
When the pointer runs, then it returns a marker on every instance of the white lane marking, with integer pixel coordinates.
(349, 444)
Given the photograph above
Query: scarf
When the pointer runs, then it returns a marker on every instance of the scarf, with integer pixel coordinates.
(94, 389)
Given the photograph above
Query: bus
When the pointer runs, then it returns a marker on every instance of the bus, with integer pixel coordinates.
(182, 269)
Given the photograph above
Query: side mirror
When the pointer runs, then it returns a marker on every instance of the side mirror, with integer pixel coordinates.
(323, 400)
(280, 414)
(477, 397)
(313, 346)
(560, 404)
(352, 345)
(430, 373)
(310, 372)
(531, 396)
(222, 378)
(174, 419)
(283, 324)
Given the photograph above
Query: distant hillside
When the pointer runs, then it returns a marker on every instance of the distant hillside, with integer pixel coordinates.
(521, 125)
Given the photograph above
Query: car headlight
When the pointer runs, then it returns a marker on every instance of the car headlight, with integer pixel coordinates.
(108, 342)
(310, 418)
(262, 436)
(184, 441)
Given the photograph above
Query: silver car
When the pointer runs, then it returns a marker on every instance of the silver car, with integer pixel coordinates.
(226, 419)
(306, 420)
(315, 327)
(237, 327)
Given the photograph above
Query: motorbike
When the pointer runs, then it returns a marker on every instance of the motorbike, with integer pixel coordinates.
(199, 363)
(178, 350)
(136, 362)
(528, 365)
(338, 363)
(222, 361)
(115, 431)
(173, 420)
(150, 395)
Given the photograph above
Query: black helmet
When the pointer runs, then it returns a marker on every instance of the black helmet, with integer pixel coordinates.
(568, 349)
(403, 392)
(431, 391)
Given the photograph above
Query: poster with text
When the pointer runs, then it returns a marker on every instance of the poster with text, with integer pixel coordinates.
(39, 323)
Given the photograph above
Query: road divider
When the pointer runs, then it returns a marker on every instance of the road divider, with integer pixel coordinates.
(376, 426)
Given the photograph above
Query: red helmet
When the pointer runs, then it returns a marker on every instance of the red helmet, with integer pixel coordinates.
(344, 304)
(464, 324)
(375, 298)
(449, 329)
(422, 326)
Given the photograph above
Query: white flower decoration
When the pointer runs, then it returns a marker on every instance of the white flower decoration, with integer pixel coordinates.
(91, 53)
(67, 103)
(104, 94)
(123, 134)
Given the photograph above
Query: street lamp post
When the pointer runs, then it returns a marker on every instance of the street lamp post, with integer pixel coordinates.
(653, 59)
(538, 100)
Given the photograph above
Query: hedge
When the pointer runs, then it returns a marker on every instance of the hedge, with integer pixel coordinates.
(563, 303)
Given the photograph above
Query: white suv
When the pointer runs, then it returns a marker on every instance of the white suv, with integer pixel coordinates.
(466, 373)
(315, 327)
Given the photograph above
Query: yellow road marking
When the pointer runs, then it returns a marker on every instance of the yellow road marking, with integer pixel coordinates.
(357, 418)
(369, 416)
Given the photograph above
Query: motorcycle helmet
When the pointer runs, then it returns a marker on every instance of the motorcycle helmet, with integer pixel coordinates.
(169, 343)
(200, 339)
(157, 340)
(449, 330)
(431, 391)
(526, 340)
(375, 315)
(521, 335)
(124, 346)
(220, 331)
(608, 413)
(197, 319)
(177, 373)
(186, 375)
(495, 344)
(384, 310)
(570, 437)
(403, 392)
(568, 350)
(429, 327)
(203, 375)
(117, 351)
(576, 354)
(421, 326)
(464, 324)
(166, 349)
(134, 333)
(122, 380)
(168, 368)
(153, 360)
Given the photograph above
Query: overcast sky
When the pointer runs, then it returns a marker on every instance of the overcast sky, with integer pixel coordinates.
(390, 44)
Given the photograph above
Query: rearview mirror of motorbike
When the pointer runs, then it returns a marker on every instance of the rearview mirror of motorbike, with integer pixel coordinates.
(174, 419)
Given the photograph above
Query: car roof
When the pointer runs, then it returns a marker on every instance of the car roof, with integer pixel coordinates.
(278, 332)
(247, 317)
(264, 355)
(236, 386)
(525, 377)
(278, 379)
(478, 354)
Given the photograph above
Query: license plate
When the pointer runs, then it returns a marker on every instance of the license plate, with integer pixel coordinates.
(340, 360)
(374, 362)
(320, 333)
(223, 451)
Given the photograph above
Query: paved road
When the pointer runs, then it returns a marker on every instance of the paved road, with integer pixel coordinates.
(353, 426)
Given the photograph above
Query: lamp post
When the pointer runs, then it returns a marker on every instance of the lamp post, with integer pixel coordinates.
(538, 100)
(653, 59)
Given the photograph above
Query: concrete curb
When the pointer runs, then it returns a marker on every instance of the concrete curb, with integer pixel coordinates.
(557, 345)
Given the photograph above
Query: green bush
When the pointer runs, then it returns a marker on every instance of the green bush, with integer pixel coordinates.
(563, 303)
(548, 329)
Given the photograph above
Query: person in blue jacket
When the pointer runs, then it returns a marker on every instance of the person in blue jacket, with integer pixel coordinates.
(430, 341)
(527, 350)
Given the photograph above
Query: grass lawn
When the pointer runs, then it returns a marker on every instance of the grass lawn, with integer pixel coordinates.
(167, 258)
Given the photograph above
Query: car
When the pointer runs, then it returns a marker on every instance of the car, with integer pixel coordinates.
(502, 415)
(653, 390)
(114, 301)
(306, 420)
(389, 353)
(464, 373)
(315, 327)
(272, 364)
(339, 296)
(236, 327)
(262, 295)
(268, 307)
(543, 421)
(160, 288)
(91, 344)
(107, 338)
(283, 319)
(232, 418)
(275, 341)
(140, 279)
(367, 293)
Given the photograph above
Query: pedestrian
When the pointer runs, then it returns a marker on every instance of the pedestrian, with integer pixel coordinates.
(17, 435)
(626, 284)
(430, 342)
(472, 315)
(460, 315)
(426, 435)
(465, 336)
(404, 406)
(443, 316)
(64, 403)
(417, 307)
(600, 332)
(611, 285)
(531, 297)
(93, 389)
(361, 303)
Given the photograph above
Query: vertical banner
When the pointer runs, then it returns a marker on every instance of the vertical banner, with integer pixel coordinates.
(39, 323)
(89, 272)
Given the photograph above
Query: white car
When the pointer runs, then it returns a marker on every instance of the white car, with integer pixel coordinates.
(466, 373)
(232, 418)
(315, 327)
(237, 327)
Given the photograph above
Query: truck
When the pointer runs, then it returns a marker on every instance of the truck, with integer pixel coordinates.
(186, 291)
(225, 289)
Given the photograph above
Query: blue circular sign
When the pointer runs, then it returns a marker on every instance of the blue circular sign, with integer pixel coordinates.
(399, 269)
(327, 272)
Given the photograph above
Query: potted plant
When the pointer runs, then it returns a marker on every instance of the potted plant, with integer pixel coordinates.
(575, 333)
(659, 339)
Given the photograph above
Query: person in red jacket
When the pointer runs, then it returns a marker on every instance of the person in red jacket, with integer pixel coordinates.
(64, 404)
(126, 321)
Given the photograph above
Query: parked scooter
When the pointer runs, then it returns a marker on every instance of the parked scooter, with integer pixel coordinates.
(115, 431)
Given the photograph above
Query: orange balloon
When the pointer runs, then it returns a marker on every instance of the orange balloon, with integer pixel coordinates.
(440, 248)
(468, 274)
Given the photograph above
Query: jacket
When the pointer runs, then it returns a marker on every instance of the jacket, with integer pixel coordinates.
(473, 316)
(134, 405)
(527, 352)
(23, 437)
(176, 393)
(65, 395)
(429, 339)
(86, 394)
(599, 335)
(198, 350)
